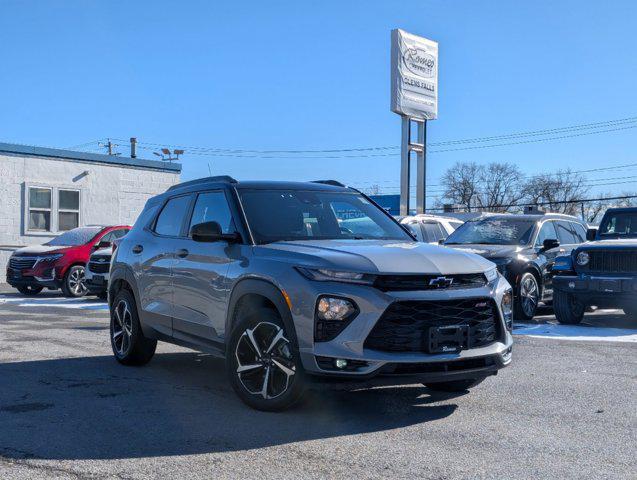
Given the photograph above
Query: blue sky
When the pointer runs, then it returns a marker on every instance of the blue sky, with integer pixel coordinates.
(315, 75)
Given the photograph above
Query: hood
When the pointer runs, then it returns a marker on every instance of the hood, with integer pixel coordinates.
(39, 250)
(610, 243)
(377, 256)
(489, 251)
(103, 252)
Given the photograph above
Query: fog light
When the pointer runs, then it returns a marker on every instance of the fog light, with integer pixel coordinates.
(340, 363)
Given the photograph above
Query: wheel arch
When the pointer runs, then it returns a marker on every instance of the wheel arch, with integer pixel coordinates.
(254, 293)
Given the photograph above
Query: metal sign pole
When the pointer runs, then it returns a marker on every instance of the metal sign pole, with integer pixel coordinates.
(404, 166)
(421, 167)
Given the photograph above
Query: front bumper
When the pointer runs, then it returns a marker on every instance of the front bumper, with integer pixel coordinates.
(36, 277)
(95, 282)
(602, 291)
(318, 357)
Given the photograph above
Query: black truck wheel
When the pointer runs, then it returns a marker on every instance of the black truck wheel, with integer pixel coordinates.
(567, 310)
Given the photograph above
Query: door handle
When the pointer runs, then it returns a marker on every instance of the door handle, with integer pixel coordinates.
(182, 253)
(138, 249)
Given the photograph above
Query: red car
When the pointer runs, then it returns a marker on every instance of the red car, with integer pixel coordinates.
(60, 263)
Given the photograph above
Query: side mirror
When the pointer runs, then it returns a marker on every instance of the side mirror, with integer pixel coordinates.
(211, 232)
(102, 244)
(549, 244)
(591, 233)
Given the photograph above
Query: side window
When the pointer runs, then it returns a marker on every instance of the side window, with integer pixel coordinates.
(415, 229)
(433, 231)
(172, 216)
(213, 207)
(580, 232)
(108, 237)
(564, 234)
(455, 225)
(547, 232)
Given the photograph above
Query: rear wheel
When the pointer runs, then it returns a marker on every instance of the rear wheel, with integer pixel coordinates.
(631, 312)
(73, 284)
(567, 309)
(527, 298)
(29, 289)
(454, 386)
(129, 344)
(263, 364)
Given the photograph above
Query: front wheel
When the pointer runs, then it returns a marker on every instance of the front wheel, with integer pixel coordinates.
(528, 296)
(631, 312)
(567, 310)
(262, 362)
(129, 344)
(73, 284)
(29, 290)
(454, 386)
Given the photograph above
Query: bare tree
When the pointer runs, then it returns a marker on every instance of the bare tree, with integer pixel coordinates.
(500, 187)
(461, 184)
(556, 191)
(493, 187)
(595, 210)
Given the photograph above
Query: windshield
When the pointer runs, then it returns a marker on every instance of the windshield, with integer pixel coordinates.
(619, 225)
(493, 231)
(276, 215)
(75, 237)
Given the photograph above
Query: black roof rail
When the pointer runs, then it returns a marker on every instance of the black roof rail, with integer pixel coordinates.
(334, 183)
(218, 178)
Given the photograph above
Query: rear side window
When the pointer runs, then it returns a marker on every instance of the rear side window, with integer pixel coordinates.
(433, 232)
(213, 207)
(171, 218)
(564, 233)
(547, 232)
(455, 225)
(580, 232)
(415, 229)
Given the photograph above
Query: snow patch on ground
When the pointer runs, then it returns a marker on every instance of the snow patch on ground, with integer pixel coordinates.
(576, 332)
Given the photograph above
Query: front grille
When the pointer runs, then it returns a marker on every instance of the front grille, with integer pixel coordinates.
(21, 263)
(438, 367)
(99, 267)
(405, 325)
(394, 283)
(613, 261)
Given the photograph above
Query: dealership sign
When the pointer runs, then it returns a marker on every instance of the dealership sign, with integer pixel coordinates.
(414, 75)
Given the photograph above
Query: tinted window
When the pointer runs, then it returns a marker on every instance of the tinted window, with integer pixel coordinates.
(172, 216)
(547, 232)
(455, 225)
(433, 231)
(619, 224)
(75, 237)
(275, 215)
(564, 233)
(579, 231)
(213, 207)
(415, 229)
(493, 231)
(114, 235)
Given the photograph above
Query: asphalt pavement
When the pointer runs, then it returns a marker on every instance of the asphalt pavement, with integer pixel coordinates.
(566, 408)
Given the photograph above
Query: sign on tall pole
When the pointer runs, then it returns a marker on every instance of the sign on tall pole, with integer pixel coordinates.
(414, 96)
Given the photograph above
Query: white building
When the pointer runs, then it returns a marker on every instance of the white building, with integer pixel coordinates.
(45, 191)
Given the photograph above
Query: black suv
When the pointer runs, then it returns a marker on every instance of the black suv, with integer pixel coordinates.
(602, 272)
(524, 247)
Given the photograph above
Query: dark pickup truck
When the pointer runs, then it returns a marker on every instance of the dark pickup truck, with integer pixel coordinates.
(601, 272)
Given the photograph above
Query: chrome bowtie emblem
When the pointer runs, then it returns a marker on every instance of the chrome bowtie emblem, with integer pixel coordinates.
(440, 282)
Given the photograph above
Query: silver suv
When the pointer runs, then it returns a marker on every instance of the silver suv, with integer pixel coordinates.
(294, 281)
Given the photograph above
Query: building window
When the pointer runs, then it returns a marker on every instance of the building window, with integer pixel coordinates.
(40, 209)
(68, 209)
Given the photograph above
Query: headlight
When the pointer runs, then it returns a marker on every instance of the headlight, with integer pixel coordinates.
(583, 258)
(507, 308)
(333, 308)
(326, 275)
(49, 258)
(491, 274)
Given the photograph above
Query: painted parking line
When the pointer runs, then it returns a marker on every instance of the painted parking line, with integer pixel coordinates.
(54, 302)
(576, 332)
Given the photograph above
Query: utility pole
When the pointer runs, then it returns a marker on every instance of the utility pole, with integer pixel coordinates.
(110, 147)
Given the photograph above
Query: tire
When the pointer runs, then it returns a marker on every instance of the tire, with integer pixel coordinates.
(73, 284)
(276, 380)
(567, 310)
(454, 386)
(29, 290)
(527, 296)
(128, 342)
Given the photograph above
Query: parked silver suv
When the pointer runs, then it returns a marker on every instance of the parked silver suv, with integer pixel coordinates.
(271, 276)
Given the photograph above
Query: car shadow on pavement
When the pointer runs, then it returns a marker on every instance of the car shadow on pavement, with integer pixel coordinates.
(179, 404)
